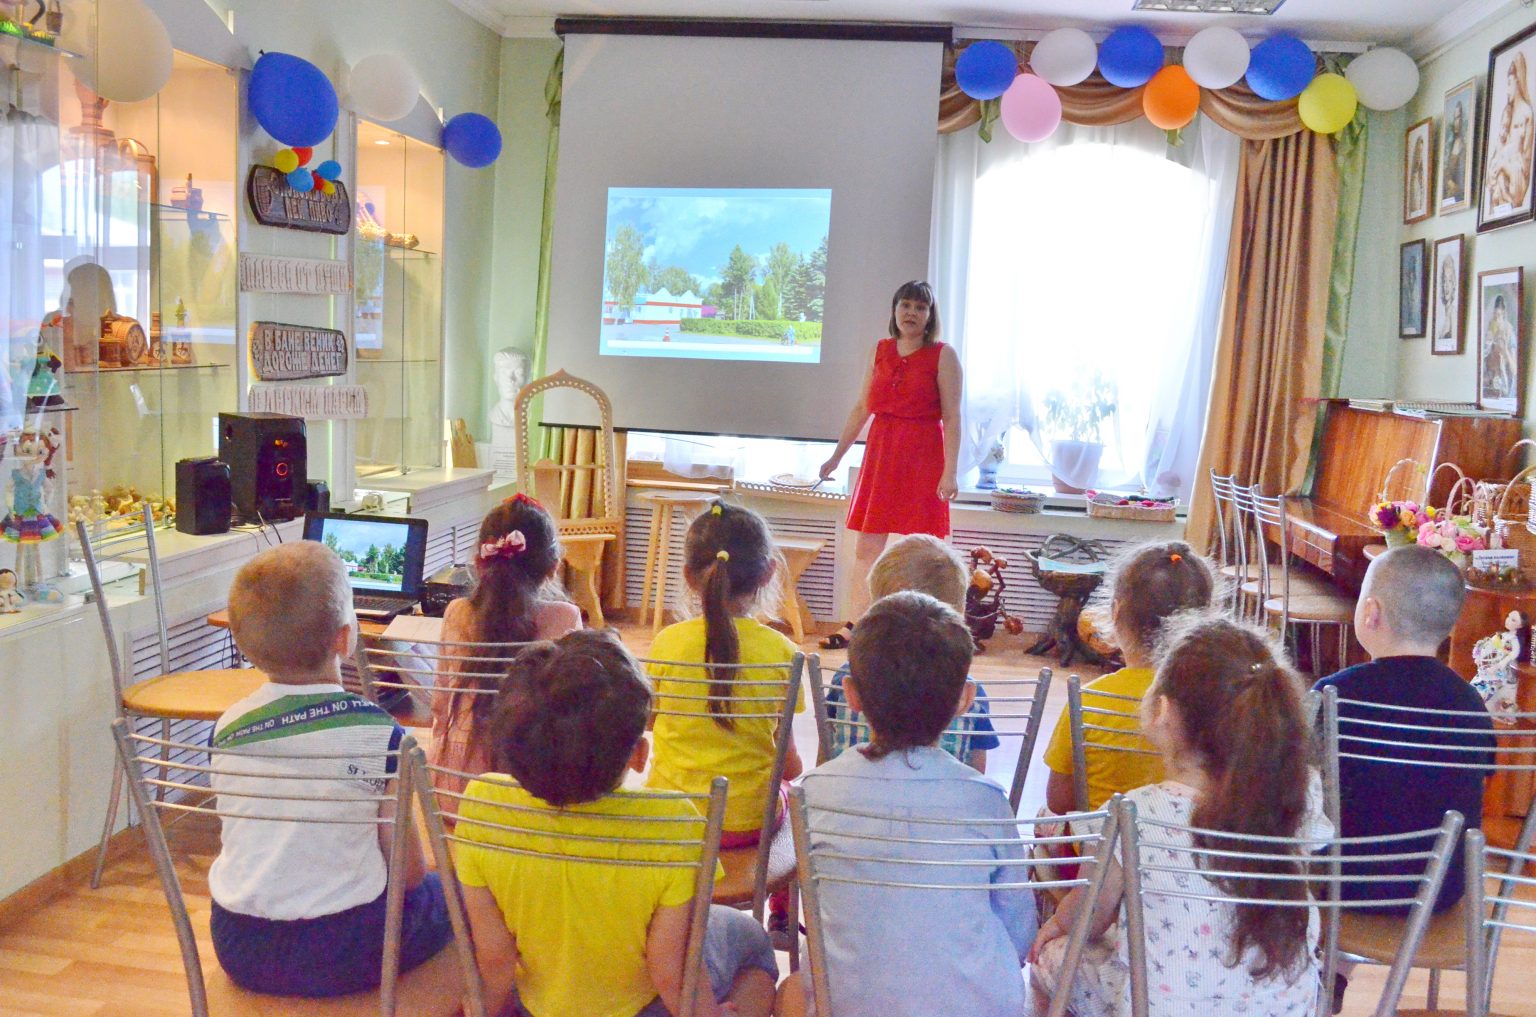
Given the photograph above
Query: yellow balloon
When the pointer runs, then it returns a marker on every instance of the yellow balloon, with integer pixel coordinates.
(329, 187)
(1328, 104)
(286, 161)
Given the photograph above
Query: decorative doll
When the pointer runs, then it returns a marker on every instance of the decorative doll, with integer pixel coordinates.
(1496, 657)
(43, 390)
(27, 522)
(10, 597)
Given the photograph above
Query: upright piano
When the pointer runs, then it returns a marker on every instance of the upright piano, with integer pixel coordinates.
(1331, 529)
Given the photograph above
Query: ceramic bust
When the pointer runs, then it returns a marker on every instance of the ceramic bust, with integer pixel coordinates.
(511, 368)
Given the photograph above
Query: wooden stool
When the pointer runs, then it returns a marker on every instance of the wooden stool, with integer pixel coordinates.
(583, 555)
(799, 553)
(663, 503)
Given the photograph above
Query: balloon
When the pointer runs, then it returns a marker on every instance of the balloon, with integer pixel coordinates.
(1130, 56)
(133, 61)
(383, 87)
(1064, 57)
(985, 69)
(316, 180)
(1384, 78)
(1171, 99)
(1280, 68)
(329, 170)
(472, 139)
(1216, 57)
(305, 153)
(1328, 104)
(286, 161)
(301, 180)
(292, 100)
(329, 187)
(1031, 109)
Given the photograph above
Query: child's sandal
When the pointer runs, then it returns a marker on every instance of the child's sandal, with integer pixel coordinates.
(839, 639)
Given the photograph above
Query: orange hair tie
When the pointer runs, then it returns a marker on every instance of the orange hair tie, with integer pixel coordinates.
(1175, 558)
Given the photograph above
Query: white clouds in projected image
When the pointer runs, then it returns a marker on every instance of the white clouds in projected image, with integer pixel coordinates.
(696, 229)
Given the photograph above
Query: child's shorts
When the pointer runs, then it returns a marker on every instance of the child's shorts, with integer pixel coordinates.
(332, 955)
(734, 943)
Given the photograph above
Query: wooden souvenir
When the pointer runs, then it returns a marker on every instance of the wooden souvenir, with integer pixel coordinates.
(127, 337)
(282, 352)
(274, 203)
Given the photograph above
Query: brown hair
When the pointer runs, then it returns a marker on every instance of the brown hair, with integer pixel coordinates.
(917, 290)
(909, 659)
(569, 716)
(728, 557)
(1239, 705)
(1154, 582)
(921, 562)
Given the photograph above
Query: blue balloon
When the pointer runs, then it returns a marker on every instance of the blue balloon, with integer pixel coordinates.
(292, 100)
(301, 179)
(1281, 68)
(1130, 56)
(329, 170)
(472, 139)
(986, 69)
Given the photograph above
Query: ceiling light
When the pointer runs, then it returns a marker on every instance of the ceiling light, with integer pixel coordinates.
(1209, 6)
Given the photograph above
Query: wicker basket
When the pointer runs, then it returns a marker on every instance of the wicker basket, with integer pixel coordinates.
(1160, 513)
(1015, 500)
(1489, 494)
(1514, 530)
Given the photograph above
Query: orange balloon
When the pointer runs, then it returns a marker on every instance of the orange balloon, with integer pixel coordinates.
(1171, 99)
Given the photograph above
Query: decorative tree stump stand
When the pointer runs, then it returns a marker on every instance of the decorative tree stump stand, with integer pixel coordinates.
(1073, 583)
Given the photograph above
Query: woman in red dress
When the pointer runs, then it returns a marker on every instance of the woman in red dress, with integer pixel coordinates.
(912, 388)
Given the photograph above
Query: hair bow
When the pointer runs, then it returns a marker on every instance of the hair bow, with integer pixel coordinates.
(508, 546)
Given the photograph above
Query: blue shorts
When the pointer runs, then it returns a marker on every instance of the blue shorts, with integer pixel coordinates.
(332, 955)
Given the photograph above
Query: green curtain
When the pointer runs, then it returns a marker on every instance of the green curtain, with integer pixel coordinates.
(546, 442)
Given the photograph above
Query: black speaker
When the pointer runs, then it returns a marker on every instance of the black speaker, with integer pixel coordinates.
(317, 496)
(202, 496)
(268, 464)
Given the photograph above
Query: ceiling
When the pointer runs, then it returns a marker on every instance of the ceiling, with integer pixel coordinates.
(1421, 25)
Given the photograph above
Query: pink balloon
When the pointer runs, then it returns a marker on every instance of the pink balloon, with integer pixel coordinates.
(1031, 109)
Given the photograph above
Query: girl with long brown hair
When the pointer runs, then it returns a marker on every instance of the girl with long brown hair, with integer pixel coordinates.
(1225, 710)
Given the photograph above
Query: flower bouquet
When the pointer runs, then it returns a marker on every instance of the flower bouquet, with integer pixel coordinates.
(1456, 537)
(1399, 521)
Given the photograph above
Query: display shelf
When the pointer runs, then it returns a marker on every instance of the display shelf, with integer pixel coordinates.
(16, 48)
(175, 213)
(139, 368)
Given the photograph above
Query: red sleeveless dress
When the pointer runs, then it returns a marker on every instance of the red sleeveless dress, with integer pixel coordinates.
(898, 486)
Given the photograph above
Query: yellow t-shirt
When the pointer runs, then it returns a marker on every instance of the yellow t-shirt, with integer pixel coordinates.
(1109, 773)
(580, 926)
(689, 752)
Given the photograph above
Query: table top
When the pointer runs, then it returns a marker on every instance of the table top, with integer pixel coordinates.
(677, 497)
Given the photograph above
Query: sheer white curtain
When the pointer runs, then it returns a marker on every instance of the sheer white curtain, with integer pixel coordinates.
(1102, 250)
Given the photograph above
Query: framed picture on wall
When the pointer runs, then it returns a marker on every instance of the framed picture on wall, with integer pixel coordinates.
(1509, 134)
(1458, 148)
(1446, 317)
(1499, 338)
(1419, 171)
(1413, 289)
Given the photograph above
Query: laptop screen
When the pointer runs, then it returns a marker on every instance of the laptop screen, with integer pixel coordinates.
(383, 554)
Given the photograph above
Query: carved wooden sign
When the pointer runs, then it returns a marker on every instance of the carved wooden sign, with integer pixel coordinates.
(287, 352)
(313, 402)
(274, 203)
(274, 273)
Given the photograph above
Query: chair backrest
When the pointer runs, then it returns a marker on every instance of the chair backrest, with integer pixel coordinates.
(183, 788)
(1145, 842)
(1106, 716)
(422, 669)
(129, 541)
(605, 468)
(696, 845)
(745, 698)
(830, 851)
(1015, 707)
(1500, 895)
(1270, 522)
(1223, 493)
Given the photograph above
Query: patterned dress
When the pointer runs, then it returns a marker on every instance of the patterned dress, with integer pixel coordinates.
(29, 520)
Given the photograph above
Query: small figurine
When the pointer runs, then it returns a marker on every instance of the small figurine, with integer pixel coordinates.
(10, 597)
(1496, 657)
(181, 346)
(28, 523)
(984, 598)
(43, 390)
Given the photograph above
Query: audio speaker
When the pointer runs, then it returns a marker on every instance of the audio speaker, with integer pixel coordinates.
(268, 464)
(202, 496)
(317, 496)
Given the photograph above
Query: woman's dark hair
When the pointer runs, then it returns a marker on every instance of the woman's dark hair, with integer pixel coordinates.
(728, 557)
(569, 715)
(1239, 705)
(1154, 582)
(917, 290)
(909, 659)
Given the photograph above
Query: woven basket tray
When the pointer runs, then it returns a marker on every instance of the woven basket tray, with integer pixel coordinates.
(1026, 502)
(1135, 510)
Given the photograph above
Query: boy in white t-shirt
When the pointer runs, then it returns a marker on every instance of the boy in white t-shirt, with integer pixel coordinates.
(298, 908)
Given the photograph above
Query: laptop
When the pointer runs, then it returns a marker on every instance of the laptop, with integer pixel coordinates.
(385, 557)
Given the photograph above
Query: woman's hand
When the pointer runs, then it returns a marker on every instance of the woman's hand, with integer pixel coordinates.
(828, 468)
(948, 489)
(1052, 929)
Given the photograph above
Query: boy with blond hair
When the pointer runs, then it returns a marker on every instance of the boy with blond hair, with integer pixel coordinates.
(298, 907)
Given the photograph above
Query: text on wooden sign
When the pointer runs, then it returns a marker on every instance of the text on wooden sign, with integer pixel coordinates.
(282, 352)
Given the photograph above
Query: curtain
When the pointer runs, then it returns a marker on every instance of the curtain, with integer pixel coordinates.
(1269, 361)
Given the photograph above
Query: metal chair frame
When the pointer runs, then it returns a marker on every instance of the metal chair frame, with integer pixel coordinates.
(1232, 549)
(1079, 719)
(1270, 511)
(1487, 922)
(442, 659)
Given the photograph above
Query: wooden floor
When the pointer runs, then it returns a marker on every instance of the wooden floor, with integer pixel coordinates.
(112, 951)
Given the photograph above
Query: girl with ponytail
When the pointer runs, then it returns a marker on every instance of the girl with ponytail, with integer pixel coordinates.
(517, 558)
(1225, 710)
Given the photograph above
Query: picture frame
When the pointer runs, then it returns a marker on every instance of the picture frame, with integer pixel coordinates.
(1458, 149)
(1419, 171)
(1506, 196)
(1413, 289)
(1500, 336)
(1447, 315)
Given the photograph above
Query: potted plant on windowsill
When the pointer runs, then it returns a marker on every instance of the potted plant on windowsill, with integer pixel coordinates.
(1073, 416)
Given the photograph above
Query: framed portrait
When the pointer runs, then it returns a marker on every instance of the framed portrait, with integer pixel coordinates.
(1499, 338)
(1445, 316)
(1509, 135)
(1458, 148)
(1419, 171)
(1413, 289)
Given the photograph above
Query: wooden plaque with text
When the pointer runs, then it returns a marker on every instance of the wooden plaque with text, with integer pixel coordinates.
(274, 203)
(282, 352)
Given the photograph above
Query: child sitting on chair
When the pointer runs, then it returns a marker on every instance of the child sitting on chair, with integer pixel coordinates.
(298, 908)
(580, 937)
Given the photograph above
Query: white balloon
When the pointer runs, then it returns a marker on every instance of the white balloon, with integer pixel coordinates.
(1216, 57)
(1384, 78)
(383, 87)
(126, 52)
(1064, 57)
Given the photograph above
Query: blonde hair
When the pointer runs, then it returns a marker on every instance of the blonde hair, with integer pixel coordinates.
(287, 604)
(922, 563)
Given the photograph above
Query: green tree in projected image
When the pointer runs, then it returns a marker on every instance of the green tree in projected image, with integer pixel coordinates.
(674, 280)
(387, 562)
(626, 264)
